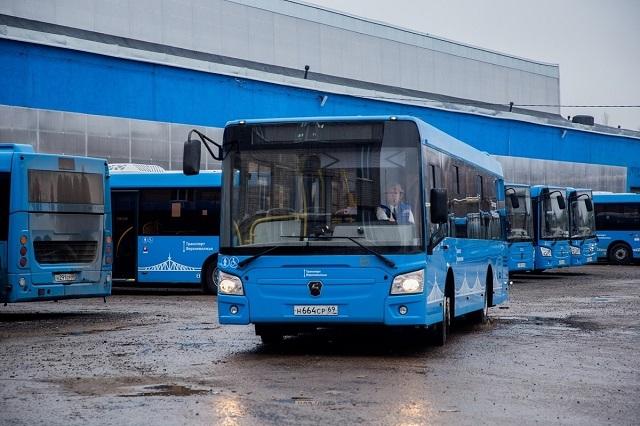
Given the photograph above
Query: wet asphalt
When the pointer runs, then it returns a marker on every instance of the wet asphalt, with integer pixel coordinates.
(563, 350)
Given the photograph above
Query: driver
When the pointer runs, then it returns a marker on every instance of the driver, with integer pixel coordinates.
(394, 210)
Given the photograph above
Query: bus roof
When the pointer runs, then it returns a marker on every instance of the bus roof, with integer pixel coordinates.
(517, 185)
(428, 134)
(614, 197)
(15, 147)
(167, 179)
(537, 189)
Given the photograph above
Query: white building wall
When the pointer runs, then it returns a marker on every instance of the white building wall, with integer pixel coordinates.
(291, 34)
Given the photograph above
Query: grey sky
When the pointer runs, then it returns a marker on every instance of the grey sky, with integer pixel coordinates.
(595, 42)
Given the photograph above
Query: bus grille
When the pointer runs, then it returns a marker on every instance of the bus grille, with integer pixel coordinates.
(65, 251)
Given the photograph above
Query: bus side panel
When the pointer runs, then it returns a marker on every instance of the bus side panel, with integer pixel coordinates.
(605, 238)
(173, 259)
(470, 268)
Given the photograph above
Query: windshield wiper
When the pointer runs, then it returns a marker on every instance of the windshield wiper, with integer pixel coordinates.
(248, 260)
(354, 240)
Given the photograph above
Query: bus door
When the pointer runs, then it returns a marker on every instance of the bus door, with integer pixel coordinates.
(125, 235)
(4, 227)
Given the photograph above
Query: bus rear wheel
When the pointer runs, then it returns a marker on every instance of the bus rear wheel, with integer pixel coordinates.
(210, 282)
(482, 316)
(619, 254)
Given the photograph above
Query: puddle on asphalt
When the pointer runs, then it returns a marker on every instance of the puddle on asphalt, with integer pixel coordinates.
(560, 324)
(164, 390)
(131, 387)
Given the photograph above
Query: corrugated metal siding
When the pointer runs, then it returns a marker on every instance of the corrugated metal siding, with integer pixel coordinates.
(293, 35)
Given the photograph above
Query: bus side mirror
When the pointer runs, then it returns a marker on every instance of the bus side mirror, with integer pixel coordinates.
(588, 204)
(515, 203)
(561, 203)
(439, 209)
(191, 157)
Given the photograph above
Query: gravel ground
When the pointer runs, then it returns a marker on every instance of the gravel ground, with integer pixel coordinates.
(564, 350)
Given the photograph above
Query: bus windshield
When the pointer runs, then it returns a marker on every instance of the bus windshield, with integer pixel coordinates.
(583, 221)
(520, 223)
(555, 221)
(319, 186)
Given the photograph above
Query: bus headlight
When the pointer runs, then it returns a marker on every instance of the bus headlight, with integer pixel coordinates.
(545, 251)
(230, 284)
(575, 251)
(22, 282)
(410, 283)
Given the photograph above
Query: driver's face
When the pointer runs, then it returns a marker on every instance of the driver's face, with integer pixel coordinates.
(394, 194)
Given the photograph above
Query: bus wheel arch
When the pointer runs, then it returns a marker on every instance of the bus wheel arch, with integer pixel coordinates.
(210, 275)
(619, 253)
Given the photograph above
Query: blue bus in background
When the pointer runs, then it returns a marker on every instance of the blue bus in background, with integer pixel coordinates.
(618, 226)
(55, 226)
(519, 227)
(582, 227)
(310, 237)
(550, 227)
(166, 226)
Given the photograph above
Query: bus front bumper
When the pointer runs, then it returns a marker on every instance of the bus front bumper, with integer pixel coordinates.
(405, 310)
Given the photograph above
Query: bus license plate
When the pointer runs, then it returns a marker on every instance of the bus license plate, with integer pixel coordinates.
(522, 265)
(561, 262)
(590, 259)
(323, 310)
(64, 278)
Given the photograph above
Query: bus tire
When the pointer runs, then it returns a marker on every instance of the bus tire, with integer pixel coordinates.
(619, 254)
(210, 281)
(441, 330)
(269, 335)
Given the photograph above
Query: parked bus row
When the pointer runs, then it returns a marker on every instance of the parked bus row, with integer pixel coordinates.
(554, 227)
(323, 222)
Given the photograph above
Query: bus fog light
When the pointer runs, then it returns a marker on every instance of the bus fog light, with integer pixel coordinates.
(233, 309)
(545, 251)
(22, 282)
(403, 310)
(410, 283)
(230, 284)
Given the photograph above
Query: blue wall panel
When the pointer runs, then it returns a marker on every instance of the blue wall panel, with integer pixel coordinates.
(44, 77)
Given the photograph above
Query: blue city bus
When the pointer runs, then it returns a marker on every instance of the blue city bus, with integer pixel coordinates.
(550, 227)
(166, 227)
(519, 227)
(55, 226)
(617, 226)
(310, 237)
(582, 227)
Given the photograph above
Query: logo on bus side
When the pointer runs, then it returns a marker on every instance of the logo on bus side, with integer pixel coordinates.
(229, 262)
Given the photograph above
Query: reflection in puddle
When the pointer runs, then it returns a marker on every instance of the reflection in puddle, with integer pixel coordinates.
(412, 414)
(166, 390)
(229, 410)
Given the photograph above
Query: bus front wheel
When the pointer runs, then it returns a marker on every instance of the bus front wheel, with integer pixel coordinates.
(441, 330)
(269, 334)
(620, 254)
(210, 282)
